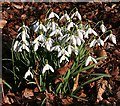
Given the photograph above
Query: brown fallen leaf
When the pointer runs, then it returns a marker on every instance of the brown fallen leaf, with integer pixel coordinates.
(2, 23)
(101, 87)
(117, 52)
(28, 93)
(17, 6)
(66, 101)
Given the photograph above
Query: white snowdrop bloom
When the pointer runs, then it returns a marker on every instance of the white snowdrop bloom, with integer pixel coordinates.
(36, 46)
(71, 24)
(92, 44)
(52, 15)
(66, 16)
(41, 38)
(26, 28)
(90, 31)
(56, 48)
(63, 57)
(55, 32)
(76, 50)
(24, 46)
(48, 43)
(100, 42)
(111, 37)
(77, 14)
(15, 45)
(28, 73)
(40, 27)
(63, 52)
(103, 28)
(70, 49)
(72, 39)
(54, 25)
(47, 67)
(64, 36)
(23, 35)
(78, 41)
(89, 59)
(80, 33)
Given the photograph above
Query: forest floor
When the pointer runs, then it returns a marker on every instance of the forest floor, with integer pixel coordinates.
(12, 15)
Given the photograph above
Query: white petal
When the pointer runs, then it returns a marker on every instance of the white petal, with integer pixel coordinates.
(106, 38)
(78, 41)
(87, 61)
(78, 15)
(113, 38)
(27, 48)
(66, 53)
(15, 45)
(86, 34)
(51, 68)
(103, 28)
(23, 35)
(56, 15)
(36, 46)
(45, 68)
(94, 60)
(28, 73)
(100, 42)
(69, 49)
(94, 32)
(92, 44)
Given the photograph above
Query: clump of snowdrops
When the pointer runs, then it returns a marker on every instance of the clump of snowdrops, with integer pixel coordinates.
(53, 44)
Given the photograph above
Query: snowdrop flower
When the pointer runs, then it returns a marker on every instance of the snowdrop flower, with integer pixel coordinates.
(48, 43)
(47, 67)
(38, 41)
(24, 46)
(52, 25)
(66, 16)
(26, 28)
(89, 59)
(92, 44)
(56, 48)
(55, 32)
(77, 14)
(71, 24)
(40, 27)
(80, 34)
(63, 57)
(111, 37)
(99, 41)
(28, 73)
(70, 49)
(76, 50)
(63, 52)
(24, 35)
(103, 28)
(90, 31)
(15, 45)
(52, 15)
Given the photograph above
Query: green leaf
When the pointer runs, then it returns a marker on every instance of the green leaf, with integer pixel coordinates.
(6, 84)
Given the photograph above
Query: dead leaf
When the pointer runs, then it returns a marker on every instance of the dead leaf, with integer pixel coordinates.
(76, 82)
(117, 52)
(17, 6)
(118, 94)
(101, 87)
(2, 23)
(28, 93)
(66, 101)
